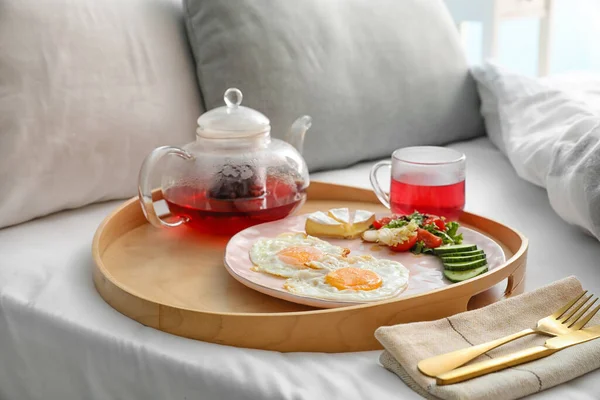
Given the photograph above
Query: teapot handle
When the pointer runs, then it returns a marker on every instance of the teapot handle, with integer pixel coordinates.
(145, 188)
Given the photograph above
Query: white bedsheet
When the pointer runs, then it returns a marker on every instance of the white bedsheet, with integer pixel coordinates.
(60, 340)
(549, 128)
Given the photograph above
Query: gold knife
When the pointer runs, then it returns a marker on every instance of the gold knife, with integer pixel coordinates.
(496, 364)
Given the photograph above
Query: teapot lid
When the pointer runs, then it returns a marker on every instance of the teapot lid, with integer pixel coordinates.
(232, 120)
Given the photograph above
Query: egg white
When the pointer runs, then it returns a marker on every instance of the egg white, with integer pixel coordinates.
(312, 283)
(263, 253)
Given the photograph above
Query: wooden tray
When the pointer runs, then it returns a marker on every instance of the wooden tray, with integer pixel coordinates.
(174, 280)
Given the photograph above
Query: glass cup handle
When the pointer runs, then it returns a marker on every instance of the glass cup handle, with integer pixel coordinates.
(380, 193)
(145, 188)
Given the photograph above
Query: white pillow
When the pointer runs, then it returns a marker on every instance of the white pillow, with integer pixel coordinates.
(87, 89)
(549, 128)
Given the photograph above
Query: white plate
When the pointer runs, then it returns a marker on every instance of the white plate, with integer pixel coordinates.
(425, 270)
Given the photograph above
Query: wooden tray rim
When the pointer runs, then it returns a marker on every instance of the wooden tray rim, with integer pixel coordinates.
(479, 283)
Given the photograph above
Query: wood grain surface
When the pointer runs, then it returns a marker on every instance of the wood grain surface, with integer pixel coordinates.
(174, 280)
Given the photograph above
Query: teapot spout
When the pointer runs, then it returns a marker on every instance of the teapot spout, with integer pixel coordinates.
(297, 131)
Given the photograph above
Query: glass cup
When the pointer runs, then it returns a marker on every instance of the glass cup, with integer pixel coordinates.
(427, 179)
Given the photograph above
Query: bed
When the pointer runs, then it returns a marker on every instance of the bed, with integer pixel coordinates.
(60, 340)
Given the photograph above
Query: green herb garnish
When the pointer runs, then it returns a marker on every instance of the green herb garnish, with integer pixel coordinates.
(420, 248)
(397, 223)
(451, 229)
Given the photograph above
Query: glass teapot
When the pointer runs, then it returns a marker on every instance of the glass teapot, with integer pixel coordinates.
(234, 175)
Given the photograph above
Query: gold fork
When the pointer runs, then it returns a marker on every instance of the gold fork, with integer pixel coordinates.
(564, 320)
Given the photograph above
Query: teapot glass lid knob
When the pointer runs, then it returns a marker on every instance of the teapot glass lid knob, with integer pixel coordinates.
(232, 121)
(233, 97)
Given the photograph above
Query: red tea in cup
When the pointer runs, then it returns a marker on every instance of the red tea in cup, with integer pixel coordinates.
(427, 179)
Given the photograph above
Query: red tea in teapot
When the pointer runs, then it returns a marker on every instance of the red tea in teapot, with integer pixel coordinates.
(227, 210)
(232, 176)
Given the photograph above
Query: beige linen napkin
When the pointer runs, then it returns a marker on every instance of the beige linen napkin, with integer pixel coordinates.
(406, 344)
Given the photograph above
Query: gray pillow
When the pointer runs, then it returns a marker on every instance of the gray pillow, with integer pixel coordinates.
(373, 75)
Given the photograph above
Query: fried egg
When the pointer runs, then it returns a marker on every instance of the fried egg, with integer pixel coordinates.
(360, 279)
(287, 254)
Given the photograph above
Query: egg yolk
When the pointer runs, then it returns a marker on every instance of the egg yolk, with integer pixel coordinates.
(353, 278)
(300, 255)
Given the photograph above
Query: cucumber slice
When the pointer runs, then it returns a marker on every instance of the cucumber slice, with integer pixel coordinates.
(461, 257)
(463, 266)
(463, 253)
(457, 248)
(459, 276)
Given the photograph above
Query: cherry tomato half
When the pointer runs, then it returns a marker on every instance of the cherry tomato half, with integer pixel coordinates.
(380, 223)
(432, 219)
(406, 245)
(429, 238)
